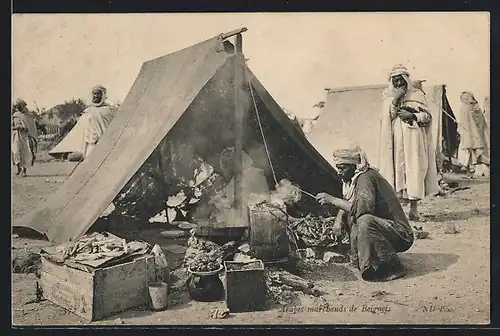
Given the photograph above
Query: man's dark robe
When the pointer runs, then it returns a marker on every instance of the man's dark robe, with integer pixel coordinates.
(379, 227)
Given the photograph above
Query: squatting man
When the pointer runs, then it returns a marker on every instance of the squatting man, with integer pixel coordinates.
(372, 215)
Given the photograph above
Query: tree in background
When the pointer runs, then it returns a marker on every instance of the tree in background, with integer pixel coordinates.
(70, 109)
(37, 110)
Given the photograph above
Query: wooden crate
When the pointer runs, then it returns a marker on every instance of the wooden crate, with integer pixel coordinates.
(104, 292)
(245, 290)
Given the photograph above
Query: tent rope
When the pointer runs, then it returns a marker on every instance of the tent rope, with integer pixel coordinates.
(443, 110)
(260, 127)
(264, 138)
(74, 168)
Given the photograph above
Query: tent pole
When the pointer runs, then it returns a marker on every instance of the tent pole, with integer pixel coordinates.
(447, 125)
(239, 131)
(234, 32)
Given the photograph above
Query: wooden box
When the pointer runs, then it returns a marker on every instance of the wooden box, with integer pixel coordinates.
(245, 288)
(103, 292)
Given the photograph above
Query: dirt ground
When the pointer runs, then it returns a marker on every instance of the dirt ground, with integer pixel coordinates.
(448, 277)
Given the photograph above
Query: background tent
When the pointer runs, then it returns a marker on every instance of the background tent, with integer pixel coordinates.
(71, 143)
(181, 106)
(353, 113)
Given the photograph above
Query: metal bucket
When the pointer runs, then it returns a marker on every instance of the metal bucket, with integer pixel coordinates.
(268, 235)
(158, 294)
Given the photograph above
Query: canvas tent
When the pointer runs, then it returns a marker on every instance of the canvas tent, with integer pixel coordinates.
(353, 113)
(72, 142)
(180, 104)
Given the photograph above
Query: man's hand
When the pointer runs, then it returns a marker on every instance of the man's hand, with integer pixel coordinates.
(324, 198)
(407, 116)
(338, 224)
(337, 228)
(398, 94)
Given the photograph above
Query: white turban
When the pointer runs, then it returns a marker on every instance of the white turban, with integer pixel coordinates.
(103, 92)
(352, 155)
(399, 69)
(100, 88)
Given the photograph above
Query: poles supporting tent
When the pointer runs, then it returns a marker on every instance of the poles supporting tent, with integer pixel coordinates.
(239, 118)
(447, 125)
(234, 32)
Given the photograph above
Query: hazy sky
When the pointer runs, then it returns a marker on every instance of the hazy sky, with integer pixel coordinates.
(295, 55)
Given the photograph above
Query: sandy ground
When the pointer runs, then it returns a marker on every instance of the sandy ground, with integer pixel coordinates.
(448, 280)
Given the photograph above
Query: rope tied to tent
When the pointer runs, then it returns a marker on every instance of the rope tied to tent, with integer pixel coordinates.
(264, 138)
(260, 127)
(74, 168)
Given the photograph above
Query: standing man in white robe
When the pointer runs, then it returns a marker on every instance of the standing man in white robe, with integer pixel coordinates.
(30, 122)
(486, 110)
(21, 152)
(96, 119)
(407, 156)
(473, 150)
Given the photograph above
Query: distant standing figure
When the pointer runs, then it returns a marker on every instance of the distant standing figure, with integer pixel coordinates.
(30, 122)
(96, 118)
(473, 147)
(486, 110)
(407, 156)
(21, 153)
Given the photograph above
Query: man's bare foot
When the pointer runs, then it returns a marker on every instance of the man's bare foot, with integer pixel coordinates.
(396, 275)
(391, 271)
(354, 262)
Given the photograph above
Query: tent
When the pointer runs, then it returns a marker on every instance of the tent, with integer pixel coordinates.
(71, 143)
(180, 105)
(353, 113)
